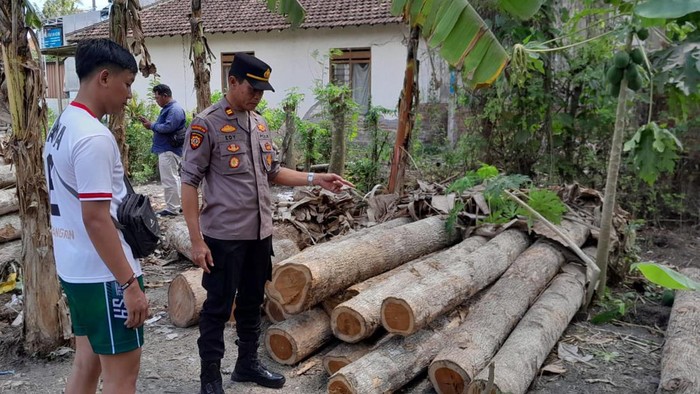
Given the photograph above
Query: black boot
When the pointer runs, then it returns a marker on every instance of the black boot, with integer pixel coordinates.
(210, 377)
(249, 369)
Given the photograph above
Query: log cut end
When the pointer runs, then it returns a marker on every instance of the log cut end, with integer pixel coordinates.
(397, 316)
(274, 311)
(348, 325)
(280, 347)
(479, 387)
(339, 385)
(333, 364)
(182, 303)
(448, 378)
(291, 282)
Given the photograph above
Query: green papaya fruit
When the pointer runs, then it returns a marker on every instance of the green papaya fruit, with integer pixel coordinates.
(637, 56)
(643, 33)
(621, 59)
(614, 75)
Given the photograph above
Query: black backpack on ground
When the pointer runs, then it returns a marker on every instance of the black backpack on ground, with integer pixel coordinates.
(138, 222)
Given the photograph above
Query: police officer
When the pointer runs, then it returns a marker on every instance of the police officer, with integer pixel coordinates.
(230, 147)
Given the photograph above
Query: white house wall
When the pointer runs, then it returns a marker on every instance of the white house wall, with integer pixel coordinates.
(291, 56)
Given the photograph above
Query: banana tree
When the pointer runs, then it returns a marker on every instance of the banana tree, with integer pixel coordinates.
(44, 310)
(462, 37)
(200, 57)
(123, 17)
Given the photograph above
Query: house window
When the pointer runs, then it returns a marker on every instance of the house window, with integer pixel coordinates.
(352, 67)
(226, 60)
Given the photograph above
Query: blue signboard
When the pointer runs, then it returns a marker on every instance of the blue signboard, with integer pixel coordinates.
(53, 37)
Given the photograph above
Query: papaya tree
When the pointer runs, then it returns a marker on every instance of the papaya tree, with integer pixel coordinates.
(44, 310)
(125, 16)
(461, 35)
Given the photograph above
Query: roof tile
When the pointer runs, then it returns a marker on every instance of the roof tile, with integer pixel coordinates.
(171, 17)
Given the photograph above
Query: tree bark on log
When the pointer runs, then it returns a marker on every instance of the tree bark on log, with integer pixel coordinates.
(316, 273)
(343, 355)
(8, 201)
(419, 303)
(7, 176)
(10, 228)
(292, 340)
(492, 318)
(11, 251)
(680, 360)
(360, 316)
(393, 363)
(525, 350)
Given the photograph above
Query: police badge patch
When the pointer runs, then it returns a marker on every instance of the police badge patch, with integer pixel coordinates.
(196, 140)
(234, 162)
(228, 129)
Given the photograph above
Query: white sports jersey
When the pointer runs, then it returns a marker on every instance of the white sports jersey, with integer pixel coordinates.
(82, 163)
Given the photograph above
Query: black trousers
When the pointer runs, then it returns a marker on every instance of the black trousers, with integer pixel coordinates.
(240, 271)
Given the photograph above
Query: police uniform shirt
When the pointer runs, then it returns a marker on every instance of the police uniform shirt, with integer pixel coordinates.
(233, 152)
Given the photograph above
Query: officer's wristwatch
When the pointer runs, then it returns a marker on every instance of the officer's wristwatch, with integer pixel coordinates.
(310, 178)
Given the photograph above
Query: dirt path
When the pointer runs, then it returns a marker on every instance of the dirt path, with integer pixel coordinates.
(625, 354)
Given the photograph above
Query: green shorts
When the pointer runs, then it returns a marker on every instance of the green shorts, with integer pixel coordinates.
(98, 311)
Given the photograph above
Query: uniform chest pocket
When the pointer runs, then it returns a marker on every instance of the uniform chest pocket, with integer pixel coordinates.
(267, 154)
(233, 158)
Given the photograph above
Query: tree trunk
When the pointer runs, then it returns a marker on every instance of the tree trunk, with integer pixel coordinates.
(680, 361)
(614, 161)
(360, 316)
(7, 176)
(345, 353)
(274, 311)
(521, 356)
(484, 330)
(337, 160)
(420, 302)
(11, 251)
(185, 298)
(119, 29)
(43, 329)
(406, 116)
(10, 228)
(321, 271)
(393, 363)
(200, 56)
(292, 340)
(8, 201)
(288, 157)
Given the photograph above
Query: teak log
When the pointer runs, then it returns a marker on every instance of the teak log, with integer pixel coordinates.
(492, 318)
(292, 340)
(421, 302)
(393, 363)
(185, 298)
(8, 201)
(274, 311)
(344, 354)
(360, 316)
(10, 227)
(7, 176)
(318, 272)
(680, 360)
(524, 352)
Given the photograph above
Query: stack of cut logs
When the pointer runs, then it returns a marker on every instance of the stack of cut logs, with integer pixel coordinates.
(418, 297)
(10, 230)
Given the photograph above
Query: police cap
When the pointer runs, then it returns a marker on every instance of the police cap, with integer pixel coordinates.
(253, 69)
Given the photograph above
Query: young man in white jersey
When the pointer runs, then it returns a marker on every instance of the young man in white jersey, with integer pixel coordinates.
(101, 278)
